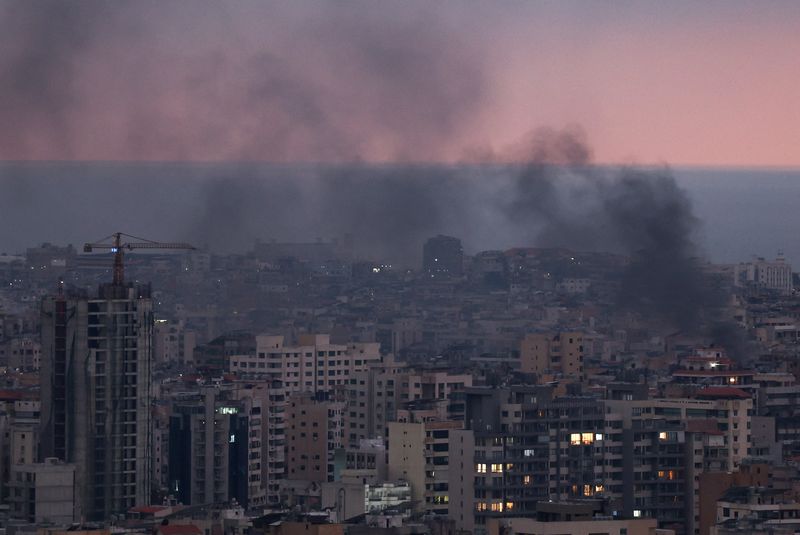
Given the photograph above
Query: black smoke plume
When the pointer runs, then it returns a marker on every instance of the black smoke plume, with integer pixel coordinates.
(643, 214)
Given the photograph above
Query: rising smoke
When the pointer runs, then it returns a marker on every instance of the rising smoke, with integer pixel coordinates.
(343, 83)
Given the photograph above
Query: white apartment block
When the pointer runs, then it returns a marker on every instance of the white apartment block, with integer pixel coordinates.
(775, 275)
(313, 365)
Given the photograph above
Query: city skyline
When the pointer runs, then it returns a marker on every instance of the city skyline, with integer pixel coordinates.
(399, 267)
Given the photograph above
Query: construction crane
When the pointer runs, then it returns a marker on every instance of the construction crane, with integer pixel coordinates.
(117, 246)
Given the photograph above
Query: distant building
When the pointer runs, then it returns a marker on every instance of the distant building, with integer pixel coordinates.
(553, 352)
(313, 365)
(761, 273)
(48, 257)
(443, 256)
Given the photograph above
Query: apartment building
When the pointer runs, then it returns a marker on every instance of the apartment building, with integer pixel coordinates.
(419, 454)
(314, 431)
(553, 352)
(43, 492)
(211, 456)
(726, 410)
(314, 365)
(521, 445)
(375, 397)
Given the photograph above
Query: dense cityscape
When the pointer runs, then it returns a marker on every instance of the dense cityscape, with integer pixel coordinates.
(399, 267)
(296, 389)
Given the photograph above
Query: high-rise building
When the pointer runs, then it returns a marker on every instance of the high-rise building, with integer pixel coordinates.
(95, 376)
(443, 256)
(209, 448)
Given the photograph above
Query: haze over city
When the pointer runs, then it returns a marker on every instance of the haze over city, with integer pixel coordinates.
(383, 267)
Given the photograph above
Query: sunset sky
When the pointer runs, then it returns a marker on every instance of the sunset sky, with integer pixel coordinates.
(684, 83)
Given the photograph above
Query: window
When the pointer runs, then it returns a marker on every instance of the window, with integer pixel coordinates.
(578, 439)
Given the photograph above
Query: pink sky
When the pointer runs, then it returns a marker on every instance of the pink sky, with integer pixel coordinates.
(662, 82)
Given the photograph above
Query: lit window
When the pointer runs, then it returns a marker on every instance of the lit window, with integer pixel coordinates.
(598, 436)
(587, 490)
(526, 480)
(637, 513)
(575, 439)
(497, 468)
(587, 439)
(599, 488)
(509, 506)
(480, 468)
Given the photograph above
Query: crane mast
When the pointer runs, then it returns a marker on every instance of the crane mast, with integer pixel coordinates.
(117, 245)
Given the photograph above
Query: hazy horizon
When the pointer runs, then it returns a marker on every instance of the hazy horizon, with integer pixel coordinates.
(741, 211)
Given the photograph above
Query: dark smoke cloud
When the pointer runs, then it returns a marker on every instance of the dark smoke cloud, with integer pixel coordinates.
(337, 82)
(301, 81)
(40, 45)
(389, 209)
(643, 214)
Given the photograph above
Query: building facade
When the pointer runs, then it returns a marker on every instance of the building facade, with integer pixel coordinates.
(96, 402)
